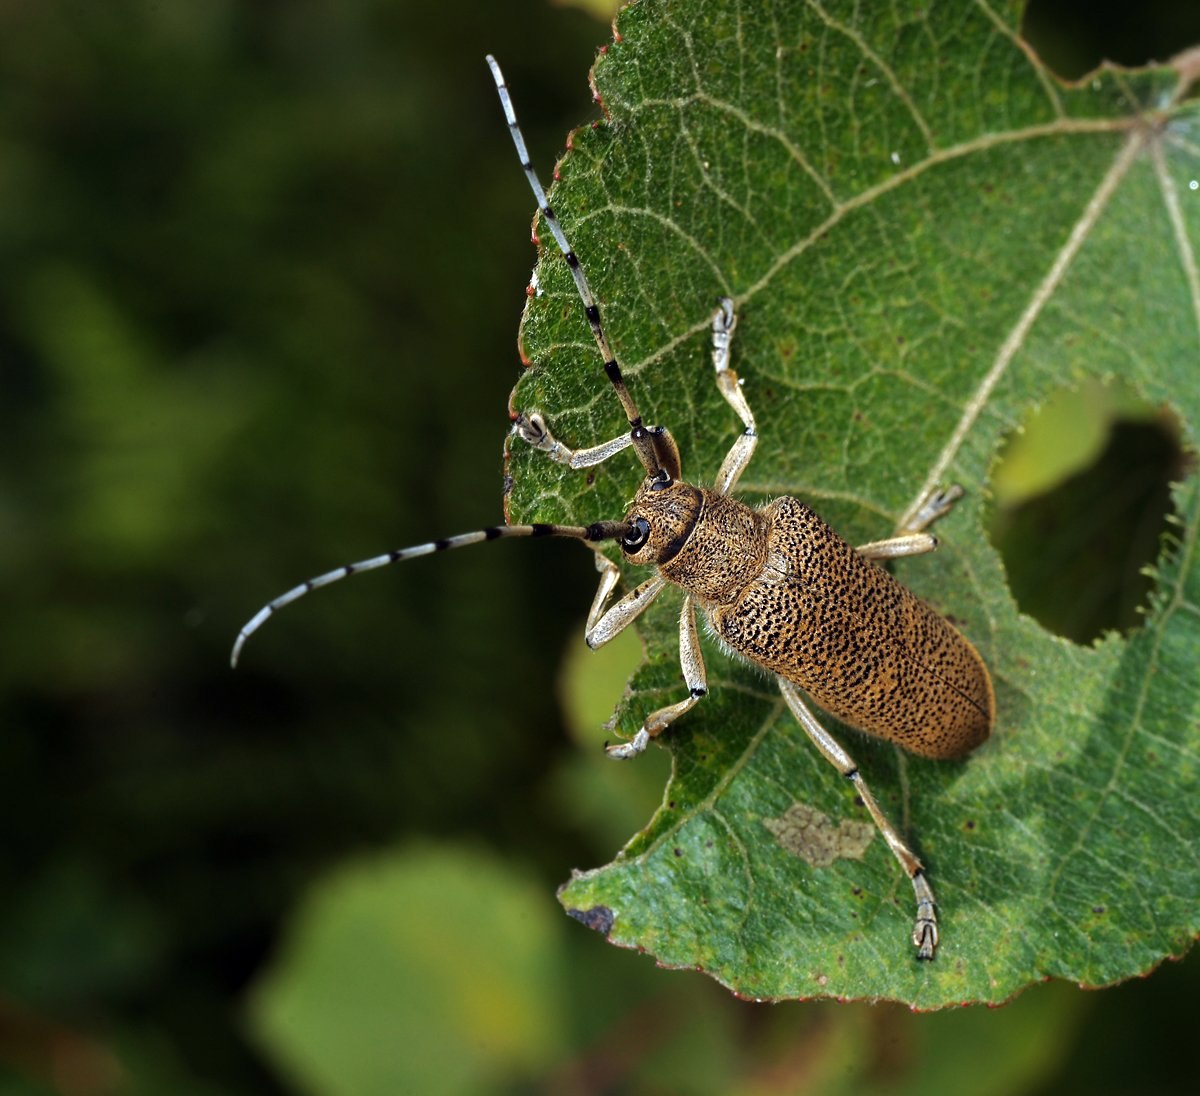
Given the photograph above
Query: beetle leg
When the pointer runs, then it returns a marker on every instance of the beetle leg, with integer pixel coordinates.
(694, 677)
(734, 464)
(928, 508)
(913, 544)
(604, 623)
(925, 931)
(533, 430)
(910, 538)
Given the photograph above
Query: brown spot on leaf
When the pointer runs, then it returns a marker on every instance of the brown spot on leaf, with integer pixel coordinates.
(807, 833)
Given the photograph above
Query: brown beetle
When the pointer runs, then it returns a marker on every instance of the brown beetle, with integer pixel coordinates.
(779, 588)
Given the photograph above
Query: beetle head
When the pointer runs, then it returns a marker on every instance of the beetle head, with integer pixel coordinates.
(661, 519)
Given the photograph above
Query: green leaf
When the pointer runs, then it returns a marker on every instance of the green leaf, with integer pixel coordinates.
(450, 947)
(926, 235)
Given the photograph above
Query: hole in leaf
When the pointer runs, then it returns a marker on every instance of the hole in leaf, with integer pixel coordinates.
(1072, 37)
(1080, 500)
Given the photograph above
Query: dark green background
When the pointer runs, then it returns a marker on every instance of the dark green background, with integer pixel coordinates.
(261, 268)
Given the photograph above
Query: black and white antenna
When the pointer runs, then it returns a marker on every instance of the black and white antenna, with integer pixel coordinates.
(641, 437)
(599, 531)
(643, 440)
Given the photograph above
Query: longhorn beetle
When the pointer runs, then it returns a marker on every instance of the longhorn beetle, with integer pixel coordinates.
(777, 586)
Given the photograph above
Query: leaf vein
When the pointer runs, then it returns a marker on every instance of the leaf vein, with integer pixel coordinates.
(1183, 245)
(1033, 309)
(1043, 75)
(865, 49)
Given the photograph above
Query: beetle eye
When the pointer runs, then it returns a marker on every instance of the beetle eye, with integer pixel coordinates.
(638, 533)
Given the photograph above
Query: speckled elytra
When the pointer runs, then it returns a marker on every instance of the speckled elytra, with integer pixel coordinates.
(777, 586)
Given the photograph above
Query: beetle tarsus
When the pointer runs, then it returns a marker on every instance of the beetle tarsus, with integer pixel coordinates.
(625, 750)
(925, 931)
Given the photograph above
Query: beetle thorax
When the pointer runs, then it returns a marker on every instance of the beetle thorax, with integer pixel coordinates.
(709, 544)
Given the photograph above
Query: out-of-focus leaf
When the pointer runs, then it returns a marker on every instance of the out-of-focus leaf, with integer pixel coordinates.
(424, 971)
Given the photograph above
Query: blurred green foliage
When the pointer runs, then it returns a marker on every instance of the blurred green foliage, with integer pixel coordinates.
(436, 948)
(260, 272)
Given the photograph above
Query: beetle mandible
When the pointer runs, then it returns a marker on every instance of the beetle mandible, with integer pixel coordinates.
(777, 586)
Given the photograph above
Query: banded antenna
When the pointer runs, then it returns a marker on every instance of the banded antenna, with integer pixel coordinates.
(645, 441)
(594, 533)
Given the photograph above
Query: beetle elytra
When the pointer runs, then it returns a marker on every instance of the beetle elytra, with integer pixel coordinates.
(775, 584)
